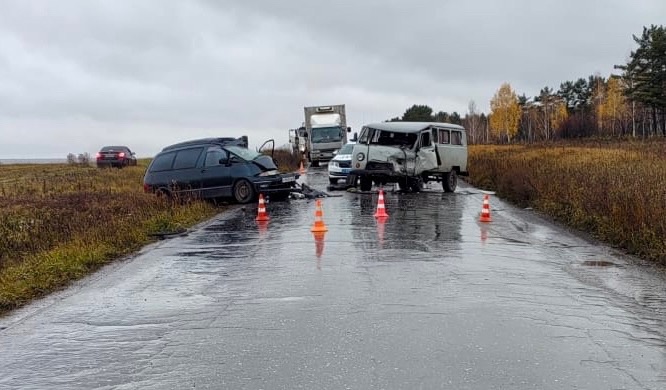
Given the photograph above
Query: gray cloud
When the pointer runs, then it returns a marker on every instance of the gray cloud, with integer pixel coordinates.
(78, 74)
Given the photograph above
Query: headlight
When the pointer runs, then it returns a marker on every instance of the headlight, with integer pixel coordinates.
(333, 164)
(360, 157)
(269, 173)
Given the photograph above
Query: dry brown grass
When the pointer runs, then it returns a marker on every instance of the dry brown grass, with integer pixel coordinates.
(59, 223)
(286, 161)
(614, 190)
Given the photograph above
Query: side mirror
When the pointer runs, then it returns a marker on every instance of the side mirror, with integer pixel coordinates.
(223, 161)
(348, 129)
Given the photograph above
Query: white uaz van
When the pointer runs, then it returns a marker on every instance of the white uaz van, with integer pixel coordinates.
(410, 154)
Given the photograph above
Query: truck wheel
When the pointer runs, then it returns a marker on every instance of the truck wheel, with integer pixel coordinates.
(243, 191)
(366, 183)
(332, 181)
(450, 181)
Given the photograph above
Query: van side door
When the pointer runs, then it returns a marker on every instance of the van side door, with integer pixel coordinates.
(444, 150)
(216, 173)
(426, 157)
(186, 178)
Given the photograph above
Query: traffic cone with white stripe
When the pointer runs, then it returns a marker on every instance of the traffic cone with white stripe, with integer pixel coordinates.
(262, 215)
(319, 225)
(381, 207)
(485, 210)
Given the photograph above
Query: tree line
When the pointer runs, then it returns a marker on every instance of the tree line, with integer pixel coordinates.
(629, 103)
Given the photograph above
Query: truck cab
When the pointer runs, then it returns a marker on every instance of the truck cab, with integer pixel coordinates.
(326, 132)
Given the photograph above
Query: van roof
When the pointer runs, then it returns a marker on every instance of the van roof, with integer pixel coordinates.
(411, 127)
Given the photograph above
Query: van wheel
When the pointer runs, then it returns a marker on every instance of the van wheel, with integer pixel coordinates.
(332, 181)
(243, 191)
(450, 181)
(416, 184)
(366, 183)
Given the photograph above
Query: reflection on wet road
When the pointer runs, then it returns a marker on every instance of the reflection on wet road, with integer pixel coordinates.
(429, 299)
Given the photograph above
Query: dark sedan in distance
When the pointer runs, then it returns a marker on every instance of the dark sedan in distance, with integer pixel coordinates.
(115, 156)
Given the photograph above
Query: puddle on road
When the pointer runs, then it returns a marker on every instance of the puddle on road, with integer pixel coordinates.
(598, 263)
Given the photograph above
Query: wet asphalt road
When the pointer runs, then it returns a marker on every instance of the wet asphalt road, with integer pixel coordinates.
(430, 299)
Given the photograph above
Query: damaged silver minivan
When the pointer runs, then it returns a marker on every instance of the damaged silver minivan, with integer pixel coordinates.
(410, 154)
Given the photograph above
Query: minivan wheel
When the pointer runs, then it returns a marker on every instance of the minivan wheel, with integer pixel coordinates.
(450, 181)
(243, 191)
(366, 183)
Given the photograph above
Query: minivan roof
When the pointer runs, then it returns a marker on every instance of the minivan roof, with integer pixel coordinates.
(241, 141)
(410, 127)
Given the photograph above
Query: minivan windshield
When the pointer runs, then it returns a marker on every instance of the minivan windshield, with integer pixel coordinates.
(245, 154)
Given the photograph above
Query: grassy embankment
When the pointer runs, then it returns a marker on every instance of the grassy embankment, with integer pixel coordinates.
(59, 223)
(614, 190)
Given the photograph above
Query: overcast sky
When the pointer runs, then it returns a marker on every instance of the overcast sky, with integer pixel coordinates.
(79, 74)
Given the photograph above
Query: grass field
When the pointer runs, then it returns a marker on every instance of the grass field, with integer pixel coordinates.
(60, 222)
(614, 190)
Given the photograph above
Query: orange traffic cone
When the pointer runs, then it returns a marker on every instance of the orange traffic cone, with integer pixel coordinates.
(381, 207)
(261, 211)
(301, 170)
(319, 219)
(485, 211)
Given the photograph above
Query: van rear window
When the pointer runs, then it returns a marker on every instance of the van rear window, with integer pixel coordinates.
(162, 162)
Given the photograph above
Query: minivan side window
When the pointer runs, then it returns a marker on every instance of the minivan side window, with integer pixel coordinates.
(456, 138)
(444, 137)
(187, 158)
(214, 155)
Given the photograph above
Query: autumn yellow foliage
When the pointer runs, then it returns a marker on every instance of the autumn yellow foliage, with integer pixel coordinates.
(505, 112)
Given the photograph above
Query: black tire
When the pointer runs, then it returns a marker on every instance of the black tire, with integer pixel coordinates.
(163, 193)
(332, 180)
(351, 180)
(366, 183)
(403, 185)
(416, 185)
(243, 191)
(314, 164)
(450, 181)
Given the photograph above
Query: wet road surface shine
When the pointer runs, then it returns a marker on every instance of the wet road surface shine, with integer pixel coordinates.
(430, 299)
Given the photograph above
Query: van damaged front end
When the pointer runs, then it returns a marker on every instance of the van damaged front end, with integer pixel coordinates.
(383, 163)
